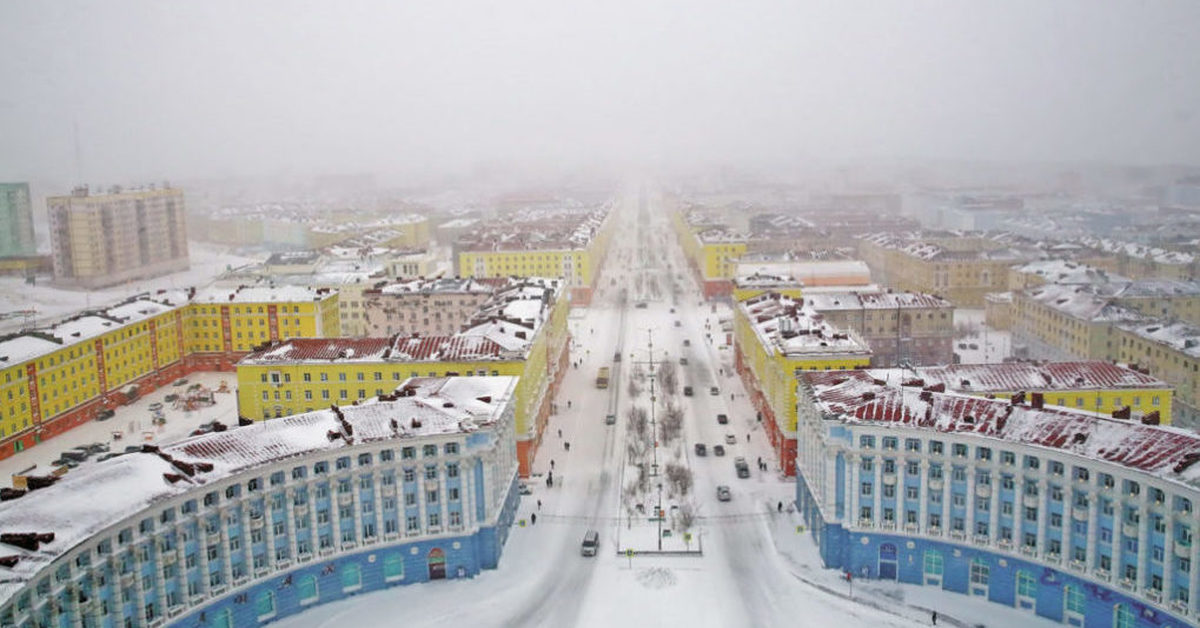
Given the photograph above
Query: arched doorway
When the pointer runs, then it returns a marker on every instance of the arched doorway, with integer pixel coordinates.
(888, 561)
(437, 564)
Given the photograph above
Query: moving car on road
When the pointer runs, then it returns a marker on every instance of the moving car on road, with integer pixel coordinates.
(718, 450)
(723, 493)
(742, 467)
(722, 419)
(701, 450)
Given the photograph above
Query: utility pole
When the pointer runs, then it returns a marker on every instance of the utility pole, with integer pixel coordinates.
(658, 512)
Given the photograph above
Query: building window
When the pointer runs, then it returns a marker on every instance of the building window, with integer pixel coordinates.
(979, 572)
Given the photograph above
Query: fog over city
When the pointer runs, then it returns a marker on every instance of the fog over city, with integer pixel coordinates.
(251, 88)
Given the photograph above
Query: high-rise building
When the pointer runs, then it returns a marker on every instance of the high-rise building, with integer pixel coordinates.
(16, 221)
(107, 239)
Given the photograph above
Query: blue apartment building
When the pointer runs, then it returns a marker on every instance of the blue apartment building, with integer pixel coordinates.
(1070, 516)
(243, 526)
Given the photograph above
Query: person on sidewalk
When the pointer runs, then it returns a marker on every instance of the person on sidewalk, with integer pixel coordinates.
(533, 519)
(934, 618)
(539, 504)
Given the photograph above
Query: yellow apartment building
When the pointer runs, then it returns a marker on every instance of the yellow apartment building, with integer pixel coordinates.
(775, 337)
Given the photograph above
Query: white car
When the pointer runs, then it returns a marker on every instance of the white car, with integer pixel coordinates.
(723, 493)
(730, 439)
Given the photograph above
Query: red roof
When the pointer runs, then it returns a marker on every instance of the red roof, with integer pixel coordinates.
(305, 349)
(389, 349)
(1028, 376)
(857, 397)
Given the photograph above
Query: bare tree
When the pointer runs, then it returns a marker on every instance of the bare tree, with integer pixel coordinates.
(638, 421)
(670, 427)
(668, 377)
(685, 516)
(635, 389)
(679, 478)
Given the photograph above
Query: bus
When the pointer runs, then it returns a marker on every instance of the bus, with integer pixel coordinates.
(602, 378)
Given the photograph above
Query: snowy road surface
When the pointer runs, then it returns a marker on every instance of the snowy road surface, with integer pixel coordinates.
(742, 578)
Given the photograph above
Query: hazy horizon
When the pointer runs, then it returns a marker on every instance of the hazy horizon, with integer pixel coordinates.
(173, 91)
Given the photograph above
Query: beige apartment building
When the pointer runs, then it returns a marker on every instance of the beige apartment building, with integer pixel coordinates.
(106, 239)
(900, 327)
(433, 307)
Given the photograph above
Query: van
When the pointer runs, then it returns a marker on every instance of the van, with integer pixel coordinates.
(591, 542)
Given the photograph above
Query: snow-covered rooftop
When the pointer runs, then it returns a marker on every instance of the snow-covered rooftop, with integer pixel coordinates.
(856, 397)
(1027, 376)
(1067, 272)
(1179, 336)
(260, 294)
(785, 326)
(1086, 302)
(98, 495)
(873, 300)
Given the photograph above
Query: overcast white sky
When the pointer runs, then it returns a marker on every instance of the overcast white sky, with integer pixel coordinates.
(184, 89)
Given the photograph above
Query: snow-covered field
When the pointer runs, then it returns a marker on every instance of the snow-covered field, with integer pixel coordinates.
(977, 343)
(49, 303)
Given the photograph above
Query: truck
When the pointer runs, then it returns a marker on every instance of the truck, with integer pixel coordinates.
(602, 378)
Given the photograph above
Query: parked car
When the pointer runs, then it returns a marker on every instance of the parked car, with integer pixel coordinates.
(94, 448)
(610, 419)
(718, 450)
(723, 493)
(641, 305)
(129, 449)
(678, 324)
(683, 360)
(742, 467)
(78, 455)
(701, 450)
(687, 342)
(714, 391)
(170, 398)
(524, 489)
(179, 382)
(617, 356)
(687, 391)
(722, 419)
(156, 406)
(591, 543)
(730, 439)
(108, 456)
(105, 415)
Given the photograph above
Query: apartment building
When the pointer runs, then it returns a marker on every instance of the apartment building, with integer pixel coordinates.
(102, 240)
(1081, 519)
(961, 268)
(245, 526)
(520, 330)
(430, 307)
(775, 337)
(570, 244)
(1066, 322)
(900, 327)
(55, 378)
(16, 221)
(1169, 350)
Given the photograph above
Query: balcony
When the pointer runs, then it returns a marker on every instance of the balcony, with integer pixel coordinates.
(348, 545)
(1154, 595)
(261, 572)
(889, 479)
(256, 523)
(936, 484)
(1005, 544)
(933, 531)
(214, 536)
(1103, 575)
(300, 510)
(1183, 550)
(1029, 550)
(1030, 501)
(911, 528)
(168, 558)
(958, 535)
(1179, 606)
(1130, 530)
(1079, 514)
(981, 539)
(1127, 584)
(1077, 565)
(283, 564)
(888, 525)
(345, 499)
(865, 522)
(1053, 558)
(983, 490)
(391, 537)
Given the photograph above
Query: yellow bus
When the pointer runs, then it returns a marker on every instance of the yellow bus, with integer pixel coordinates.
(602, 378)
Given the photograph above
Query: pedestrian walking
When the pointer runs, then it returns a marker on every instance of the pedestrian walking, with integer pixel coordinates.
(779, 507)
(566, 445)
(551, 465)
(539, 504)
(560, 433)
(934, 618)
(533, 518)
(568, 404)
(747, 437)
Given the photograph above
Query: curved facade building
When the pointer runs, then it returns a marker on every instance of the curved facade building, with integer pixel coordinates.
(240, 527)
(1075, 517)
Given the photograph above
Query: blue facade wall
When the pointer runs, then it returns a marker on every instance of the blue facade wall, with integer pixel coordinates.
(474, 553)
(860, 553)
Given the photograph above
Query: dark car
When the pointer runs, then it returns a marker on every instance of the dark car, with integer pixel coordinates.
(687, 343)
(105, 415)
(701, 450)
(722, 419)
(743, 467)
(179, 382)
(714, 391)
(617, 357)
(687, 391)
(641, 305)
(683, 361)
(718, 450)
